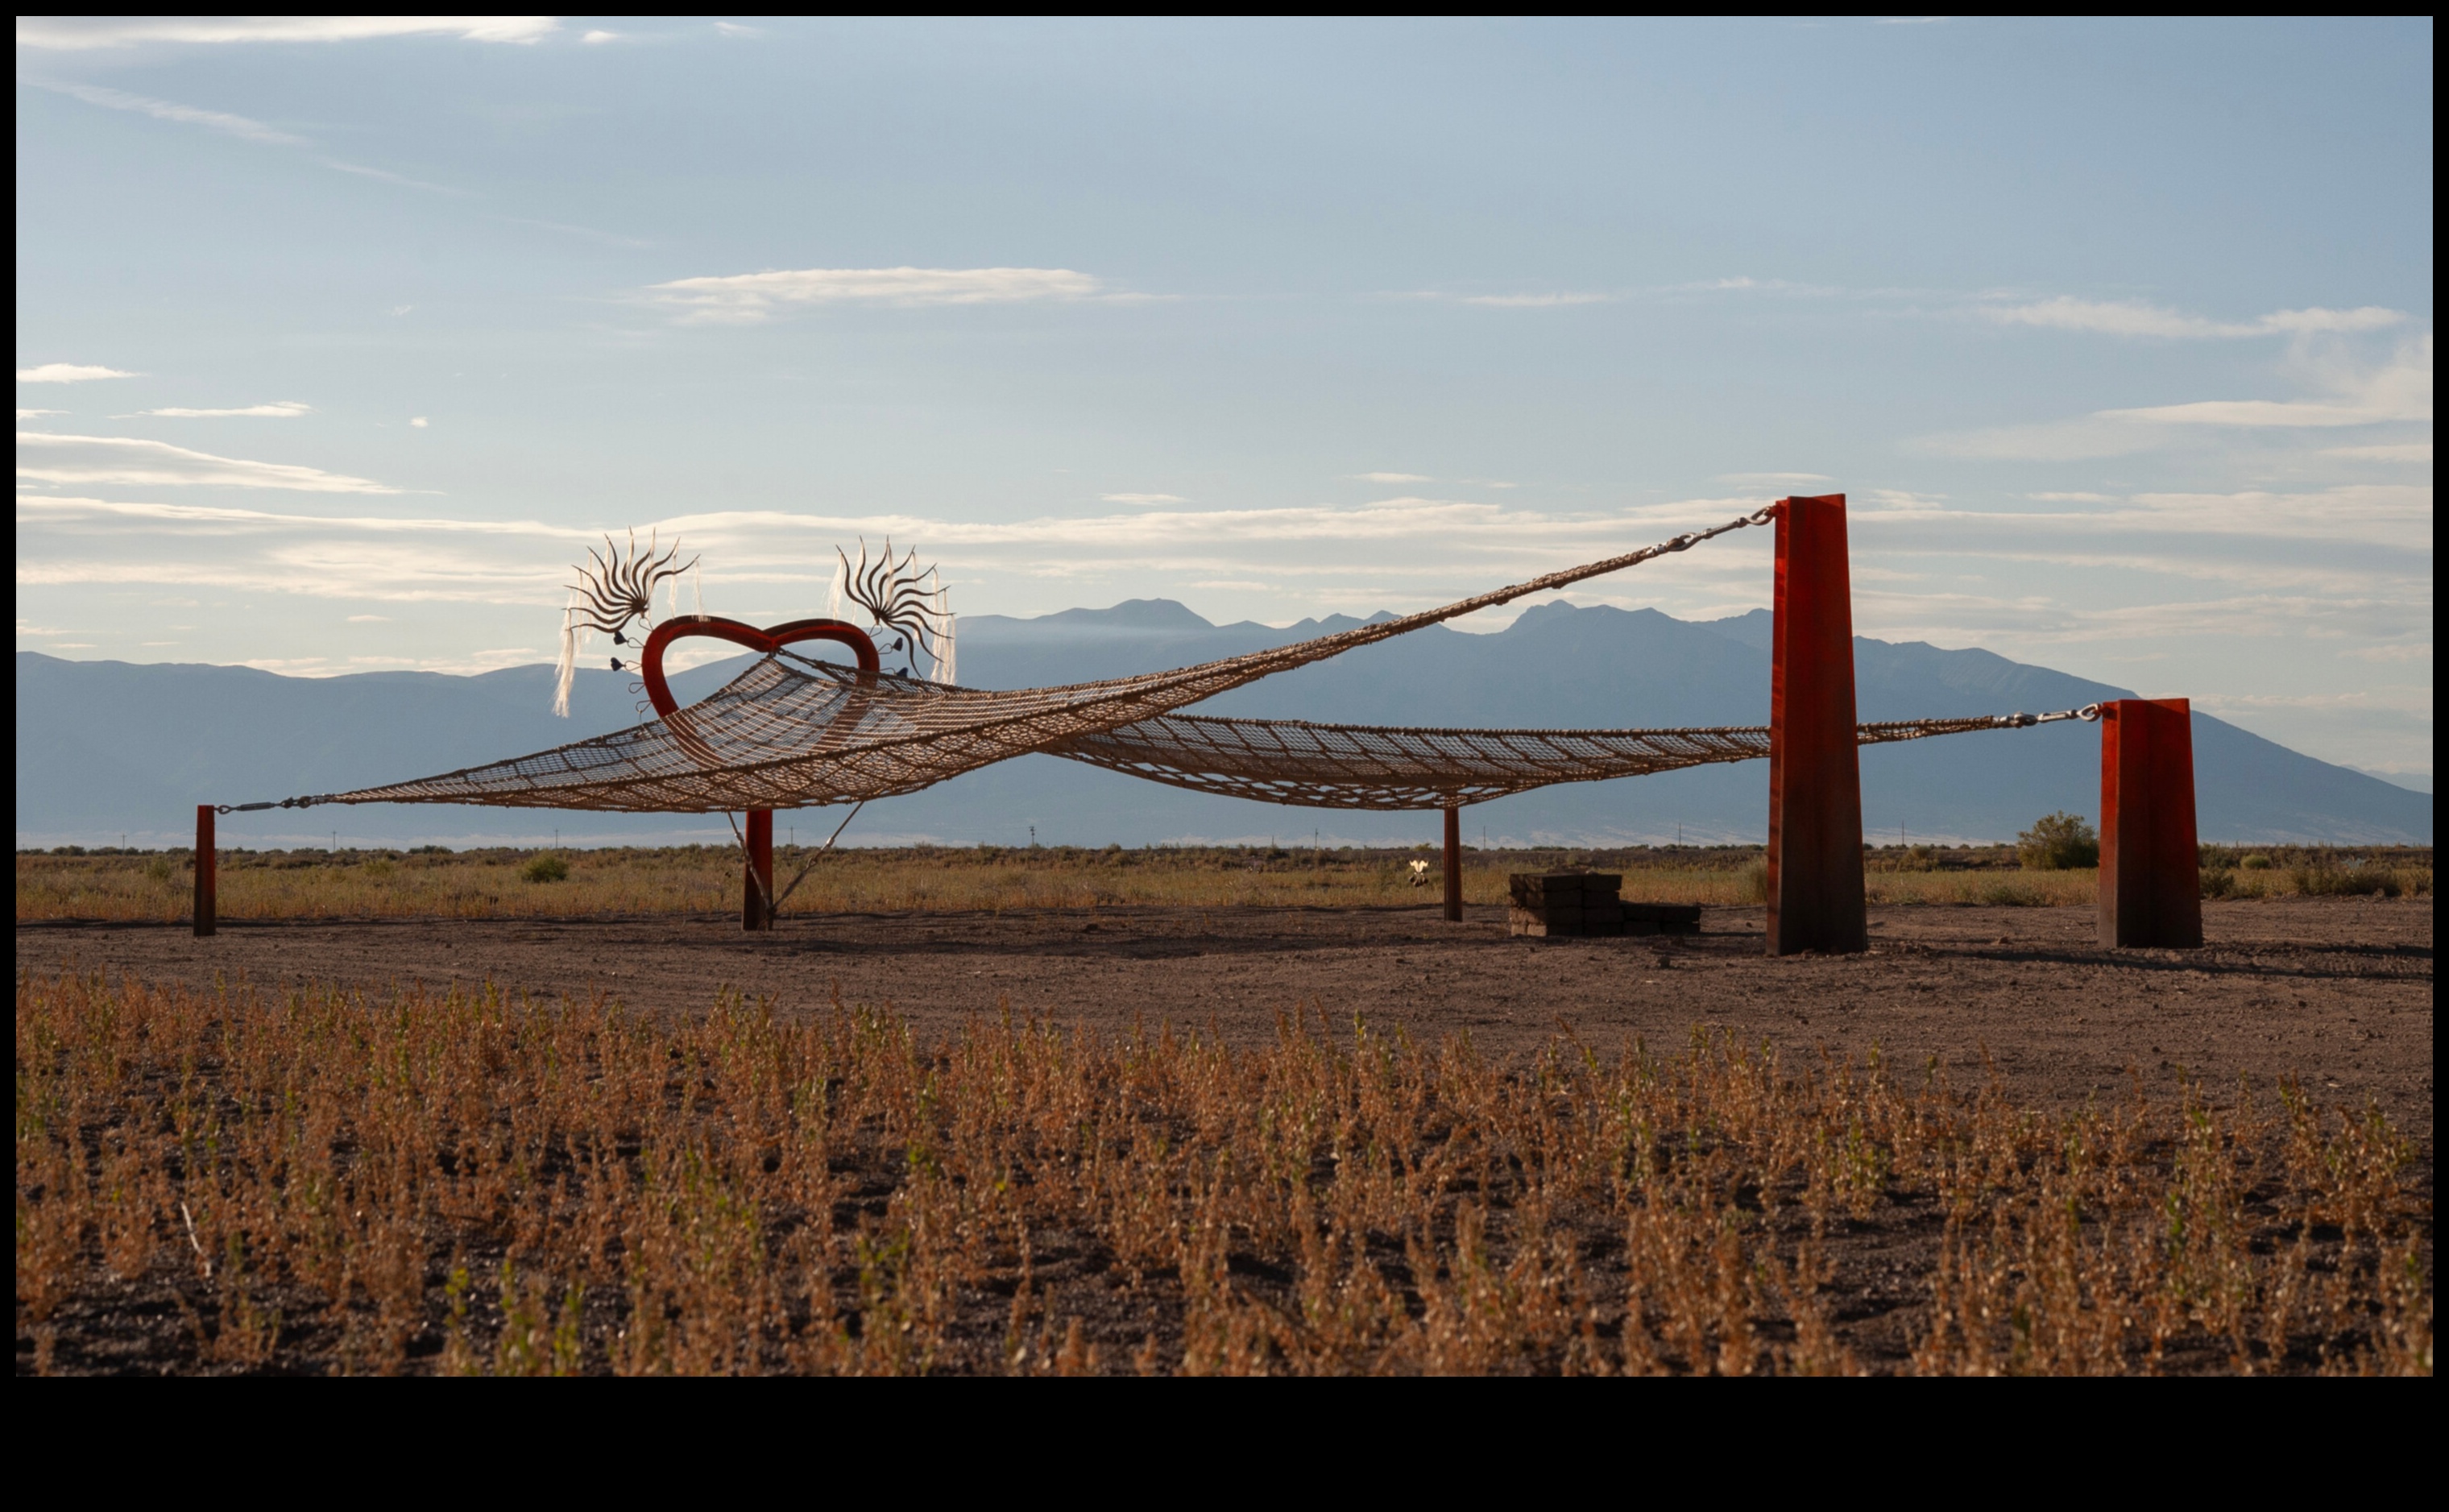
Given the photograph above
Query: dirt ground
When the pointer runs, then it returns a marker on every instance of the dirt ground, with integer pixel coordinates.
(2338, 991)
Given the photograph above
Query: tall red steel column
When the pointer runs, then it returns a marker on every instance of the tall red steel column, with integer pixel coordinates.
(1454, 863)
(2150, 881)
(207, 878)
(757, 882)
(1815, 770)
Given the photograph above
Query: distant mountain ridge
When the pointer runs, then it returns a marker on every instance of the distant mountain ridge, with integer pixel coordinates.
(106, 748)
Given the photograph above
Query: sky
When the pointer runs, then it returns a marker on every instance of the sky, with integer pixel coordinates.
(338, 340)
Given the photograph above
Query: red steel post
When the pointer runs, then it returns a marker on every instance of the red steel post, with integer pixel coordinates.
(207, 900)
(1454, 863)
(2150, 881)
(1815, 770)
(757, 877)
(757, 888)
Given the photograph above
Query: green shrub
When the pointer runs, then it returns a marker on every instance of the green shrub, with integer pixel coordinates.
(2325, 878)
(2256, 862)
(546, 868)
(2059, 842)
(1755, 883)
(160, 869)
(2008, 895)
(2218, 882)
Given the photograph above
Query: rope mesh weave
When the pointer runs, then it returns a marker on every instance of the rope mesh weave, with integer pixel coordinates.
(1344, 766)
(793, 733)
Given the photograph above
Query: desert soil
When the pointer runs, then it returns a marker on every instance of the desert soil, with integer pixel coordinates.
(2337, 991)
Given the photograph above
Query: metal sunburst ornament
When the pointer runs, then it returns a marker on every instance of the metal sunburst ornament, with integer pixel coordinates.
(614, 588)
(906, 599)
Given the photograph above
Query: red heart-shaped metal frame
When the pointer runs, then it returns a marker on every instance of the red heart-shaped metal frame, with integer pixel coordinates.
(768, 640)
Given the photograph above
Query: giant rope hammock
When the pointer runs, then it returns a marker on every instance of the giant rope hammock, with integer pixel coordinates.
(793, 732)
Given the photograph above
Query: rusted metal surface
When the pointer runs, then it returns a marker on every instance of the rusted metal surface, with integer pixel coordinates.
(756, 900)
(207, 874)
(766, 641)
(618, 586)
(2151, 883)
(757, 883)
(1815, 806)
(903, 598)
(1454, 864)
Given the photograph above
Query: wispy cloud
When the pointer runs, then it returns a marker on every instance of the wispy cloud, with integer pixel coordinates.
(1142, 498)
(1503, 301)
(609, 238)
(2395, 516)
(36, 415)
(2133, 317)
(745, 298)
(2352, 563)
(2407, 451)
(1394, 477)
(2290, 414)
(1533, 302)
(66, 459)
(1409, 551)
(218, 518)
(244, 127)
(1773, 480)
(85, 33)
(340, 165)
(1743, 283)
(221, 121)
(278, 409)
(70, 372)
(2397, 391)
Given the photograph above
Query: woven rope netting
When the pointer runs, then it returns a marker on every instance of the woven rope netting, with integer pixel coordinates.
(794, 733)
(1351, 766)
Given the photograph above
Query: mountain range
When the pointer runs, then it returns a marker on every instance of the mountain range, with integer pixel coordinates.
(107, 749)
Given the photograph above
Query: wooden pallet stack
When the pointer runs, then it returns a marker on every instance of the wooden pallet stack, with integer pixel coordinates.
(1558, 903)
(1565, 904)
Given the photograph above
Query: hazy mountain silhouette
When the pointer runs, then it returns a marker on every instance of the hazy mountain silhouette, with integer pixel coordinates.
(106, 747)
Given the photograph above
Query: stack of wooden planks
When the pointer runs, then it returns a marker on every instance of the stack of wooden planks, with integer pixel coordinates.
(1554, 903)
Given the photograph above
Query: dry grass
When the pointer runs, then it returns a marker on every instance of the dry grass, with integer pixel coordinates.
(459, 1183)
(499, 884)
(705, 879)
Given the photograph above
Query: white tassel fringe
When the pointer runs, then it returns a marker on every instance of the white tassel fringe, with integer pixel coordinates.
(947, 668)
(568, 672)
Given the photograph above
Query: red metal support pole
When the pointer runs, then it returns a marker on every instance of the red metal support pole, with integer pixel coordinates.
(2150, 880)
(1815, 770)
(1454, 864)
(757, 889)
(207, 899)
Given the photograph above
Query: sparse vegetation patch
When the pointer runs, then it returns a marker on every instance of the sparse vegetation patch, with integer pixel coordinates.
(454, 1182)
